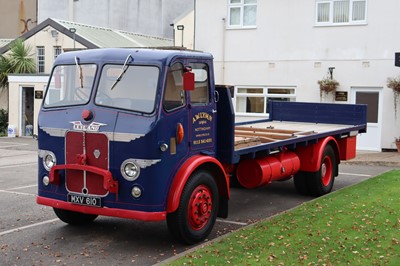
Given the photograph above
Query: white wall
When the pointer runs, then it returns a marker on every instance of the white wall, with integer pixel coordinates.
(185, 37)
(16, 83)
(287, 49)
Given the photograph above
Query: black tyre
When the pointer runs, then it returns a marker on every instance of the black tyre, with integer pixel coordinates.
(321, 182)
(195, 217)
(301, 184)
(74, 218)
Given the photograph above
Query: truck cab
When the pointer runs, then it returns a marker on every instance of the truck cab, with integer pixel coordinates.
(120, 135)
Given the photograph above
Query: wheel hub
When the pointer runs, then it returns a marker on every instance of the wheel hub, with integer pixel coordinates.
(326, 171)
(200, 207)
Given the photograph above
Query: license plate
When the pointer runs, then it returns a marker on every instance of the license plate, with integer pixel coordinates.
(84, 200)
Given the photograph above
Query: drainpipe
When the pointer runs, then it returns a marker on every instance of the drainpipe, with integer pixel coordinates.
(223, 50)
(194, 26)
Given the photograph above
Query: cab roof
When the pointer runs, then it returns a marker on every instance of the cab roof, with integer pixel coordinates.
(119, 55)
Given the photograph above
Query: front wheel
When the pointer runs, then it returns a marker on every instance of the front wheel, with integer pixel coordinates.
(195, 217)
(74, 218)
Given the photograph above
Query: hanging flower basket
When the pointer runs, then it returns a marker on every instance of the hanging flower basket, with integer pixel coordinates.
(327, 86)
(394, 84)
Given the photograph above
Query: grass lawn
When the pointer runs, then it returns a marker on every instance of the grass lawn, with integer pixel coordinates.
(358, 225)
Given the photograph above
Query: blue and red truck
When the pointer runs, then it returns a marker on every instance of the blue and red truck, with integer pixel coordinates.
(146, 134)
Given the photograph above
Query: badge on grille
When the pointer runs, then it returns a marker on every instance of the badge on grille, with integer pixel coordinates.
(96, 154)
(93, 127)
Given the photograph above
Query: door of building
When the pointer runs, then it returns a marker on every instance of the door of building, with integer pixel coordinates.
(373, 99)
(26, 119)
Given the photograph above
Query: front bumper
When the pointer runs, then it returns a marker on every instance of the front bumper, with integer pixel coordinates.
(113, 212)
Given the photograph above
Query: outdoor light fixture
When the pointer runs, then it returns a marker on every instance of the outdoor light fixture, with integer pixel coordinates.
(54, 33)
(73, 30)
(181, 28)
(331, 71)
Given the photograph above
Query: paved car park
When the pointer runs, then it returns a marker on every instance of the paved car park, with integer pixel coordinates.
(30, 234)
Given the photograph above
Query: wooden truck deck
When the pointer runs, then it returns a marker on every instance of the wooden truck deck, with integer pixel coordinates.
(274, 131)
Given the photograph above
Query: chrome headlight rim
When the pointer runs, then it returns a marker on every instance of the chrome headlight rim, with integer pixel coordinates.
(49, 160)
(130, 170)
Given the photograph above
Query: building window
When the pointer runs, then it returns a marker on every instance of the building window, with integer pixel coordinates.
(40, 59)
(341, 12)
(242, 13)
(255, 100)
(57, 51)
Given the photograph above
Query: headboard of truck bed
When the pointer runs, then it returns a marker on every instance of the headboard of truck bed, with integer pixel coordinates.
(327, 113)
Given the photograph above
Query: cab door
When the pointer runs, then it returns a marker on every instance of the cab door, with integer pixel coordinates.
(202, 111)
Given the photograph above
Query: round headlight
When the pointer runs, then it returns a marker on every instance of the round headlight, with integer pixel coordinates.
(130, 170)
(49, 160)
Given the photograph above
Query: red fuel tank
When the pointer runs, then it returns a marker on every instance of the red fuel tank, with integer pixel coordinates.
(259, 172)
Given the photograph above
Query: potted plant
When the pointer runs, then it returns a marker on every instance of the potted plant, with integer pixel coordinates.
(394, 84)
(327, 86)
(397, 142)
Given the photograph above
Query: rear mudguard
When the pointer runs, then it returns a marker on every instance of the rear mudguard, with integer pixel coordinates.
(311, 155)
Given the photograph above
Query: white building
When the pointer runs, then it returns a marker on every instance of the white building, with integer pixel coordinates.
(151, 17)
(280, 49)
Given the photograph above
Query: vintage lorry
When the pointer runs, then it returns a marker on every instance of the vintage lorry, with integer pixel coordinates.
(145, 134)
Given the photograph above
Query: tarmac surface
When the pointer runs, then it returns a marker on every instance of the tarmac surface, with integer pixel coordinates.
(109, 241)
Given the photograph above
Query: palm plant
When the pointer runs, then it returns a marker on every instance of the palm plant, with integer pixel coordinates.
(19, 60)
(4, 70)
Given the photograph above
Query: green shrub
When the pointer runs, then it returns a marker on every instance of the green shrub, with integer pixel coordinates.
(3, 122)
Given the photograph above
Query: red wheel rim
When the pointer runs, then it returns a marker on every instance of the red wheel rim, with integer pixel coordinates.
(326, 171)
(200, 207)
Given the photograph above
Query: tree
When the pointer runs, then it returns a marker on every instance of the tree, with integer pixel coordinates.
(19, 61)
(4, 70)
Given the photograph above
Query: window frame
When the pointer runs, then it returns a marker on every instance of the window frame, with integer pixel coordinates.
(330, 21)
(171, 70)
(197, 82)
(57, 50)
(41, 59)
(266, 95)
(241, 6)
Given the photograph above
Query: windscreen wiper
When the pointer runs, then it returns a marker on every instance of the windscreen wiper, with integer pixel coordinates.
(123, 71)
(80, 70)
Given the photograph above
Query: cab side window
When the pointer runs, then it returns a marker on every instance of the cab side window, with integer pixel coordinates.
(200, 94)
(174, 96)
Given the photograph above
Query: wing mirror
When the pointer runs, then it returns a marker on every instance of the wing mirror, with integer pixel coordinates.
(188, 79)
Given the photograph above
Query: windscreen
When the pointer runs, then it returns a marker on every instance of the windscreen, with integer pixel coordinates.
(129, 87)
(70, 85)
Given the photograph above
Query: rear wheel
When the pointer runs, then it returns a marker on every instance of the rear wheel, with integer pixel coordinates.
(195, 217)
(300, 182)
(74, 218)
(320, 182)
